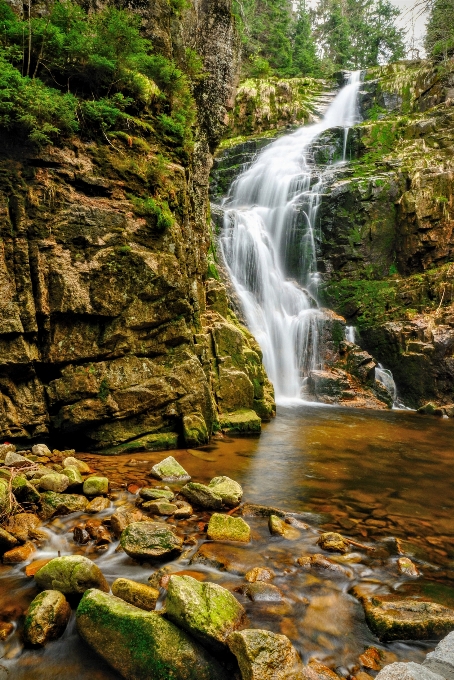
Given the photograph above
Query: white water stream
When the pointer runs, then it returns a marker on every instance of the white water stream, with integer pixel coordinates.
(261, 210)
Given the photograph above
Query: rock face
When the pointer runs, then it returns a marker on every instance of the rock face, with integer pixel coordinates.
(140, 644)
(263, 655)
(207, 611)
(106, 334)
(46, 618)
(71, 575)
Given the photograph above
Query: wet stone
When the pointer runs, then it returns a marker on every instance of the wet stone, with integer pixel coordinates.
(320, 562)
(80, 535)
(73, 474)
(61, 504)
(71, 575)
(150, 494)
(393, 617)
(7, 541)
(261, 592)
(46, 618)
(21, 524)
(371, 658)
(333, 542)
(184, 510)
(226, 558)
(160, 507)
(20, 554)
(202, 496)
(125, 515)
(97, 504)
(72, 461)
(407, 567)
(263, 655)
(318, 671)
(24, 491)
(254, 510)
(145, 540)
(259, 574)
(6, 628)
(226, 528)
(278, 527)
(207, 611)
(54, 482)
(169, 470)
(96, 486)
(138, 594)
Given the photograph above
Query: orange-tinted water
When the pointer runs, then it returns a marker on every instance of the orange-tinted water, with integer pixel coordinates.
(374, 476)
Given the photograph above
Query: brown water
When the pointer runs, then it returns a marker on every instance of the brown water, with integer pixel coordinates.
(374, 476)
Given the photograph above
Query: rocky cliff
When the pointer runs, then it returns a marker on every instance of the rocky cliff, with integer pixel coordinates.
(111, 335)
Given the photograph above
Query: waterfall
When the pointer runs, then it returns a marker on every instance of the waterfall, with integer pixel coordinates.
(280, 191)
(350, 334)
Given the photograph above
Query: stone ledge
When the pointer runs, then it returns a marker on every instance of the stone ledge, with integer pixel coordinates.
(438, 665)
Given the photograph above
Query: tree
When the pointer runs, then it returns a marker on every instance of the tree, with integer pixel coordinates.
(439, 41)
(305, 59)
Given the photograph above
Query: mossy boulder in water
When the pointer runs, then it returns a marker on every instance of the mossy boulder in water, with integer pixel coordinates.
(72, 461)
(141, 645)
(229, 490)
(24, 491)
(46, 618)
(71, 575)
(242, 421)
(393, 617)
(195, 430)
(263, 655)
(96, 486)
(73, 474)
(219, 492)
(226, 528)
(54, 482)
(170, 470)
(333, 542)
(61, 504)
(279, 527)
(150, 494)
(207, 611)
(145, 540)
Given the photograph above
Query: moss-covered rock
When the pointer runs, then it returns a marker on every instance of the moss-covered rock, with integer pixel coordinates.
(195, 430)
(169, 470)
(202, 495)
(71, 575)
(230, 491)
(73, 462)
(207, 611)
(61, 504)
(140, 644)
(138, 594)
(97, 504)
(54, 482)
(333, 542)
(96, 486)
(263, 655)
(24, 491)
(226, 528)
(73, 474)
(279, 527)
(148, 493)
(160, 507)
(149, 540)
(7, 541)
(242, 421)
(46, 618)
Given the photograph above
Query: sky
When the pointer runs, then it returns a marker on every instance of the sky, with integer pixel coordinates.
(418, 27)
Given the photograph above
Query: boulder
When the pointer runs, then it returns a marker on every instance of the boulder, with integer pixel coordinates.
(21, 553)
(73, 474)
(71, 575)
(41, 450)
(71, 461)
(138, 594)
(261, 592)
(226, 528)
(408, 671)
(141, 645)
(407, 567)
(279, 527)
(145, 540)
(125, 515)
(24, 491)
(333, 542)
(441, 660)
(160, 507)
(230, 491)
(207, 611)
(7, 541)
(150, 494)
(184, 510)
(61, 504)
(97, 504)
(15, 460)
(202, 495)
(393, 617)
(54, 482)
(46, 618)
(170, 470)
(22, 524)
(5, 448)
(96, 486)
(263, 655)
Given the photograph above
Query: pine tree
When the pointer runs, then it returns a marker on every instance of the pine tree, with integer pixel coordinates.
(305, 59)
(439, 41)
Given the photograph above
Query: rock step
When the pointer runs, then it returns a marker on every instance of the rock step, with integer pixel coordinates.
(438, 665)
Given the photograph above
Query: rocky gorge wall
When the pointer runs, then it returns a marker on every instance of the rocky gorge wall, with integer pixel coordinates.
(111, 335)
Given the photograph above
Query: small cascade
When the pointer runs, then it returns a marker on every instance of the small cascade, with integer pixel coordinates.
(350, 334)
(385, 376)
(269, 239)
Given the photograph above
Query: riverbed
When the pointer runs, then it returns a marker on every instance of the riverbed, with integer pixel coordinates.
(384, 479)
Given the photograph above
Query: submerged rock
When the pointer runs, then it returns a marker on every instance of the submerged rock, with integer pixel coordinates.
(260, 591)
(227, 557)
(71, 575)
(97, 504)
(263, 655)
(170, 470)
(226, 528)
(259, 574)
(333, 542)
(207, 611)
(393, 617)
(138, 594)
(145, 540)
(142, 645)
(46, 618)
(321, 562)
(279, 527)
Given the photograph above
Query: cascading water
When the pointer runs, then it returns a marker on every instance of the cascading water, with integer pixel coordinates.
(277, 190)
